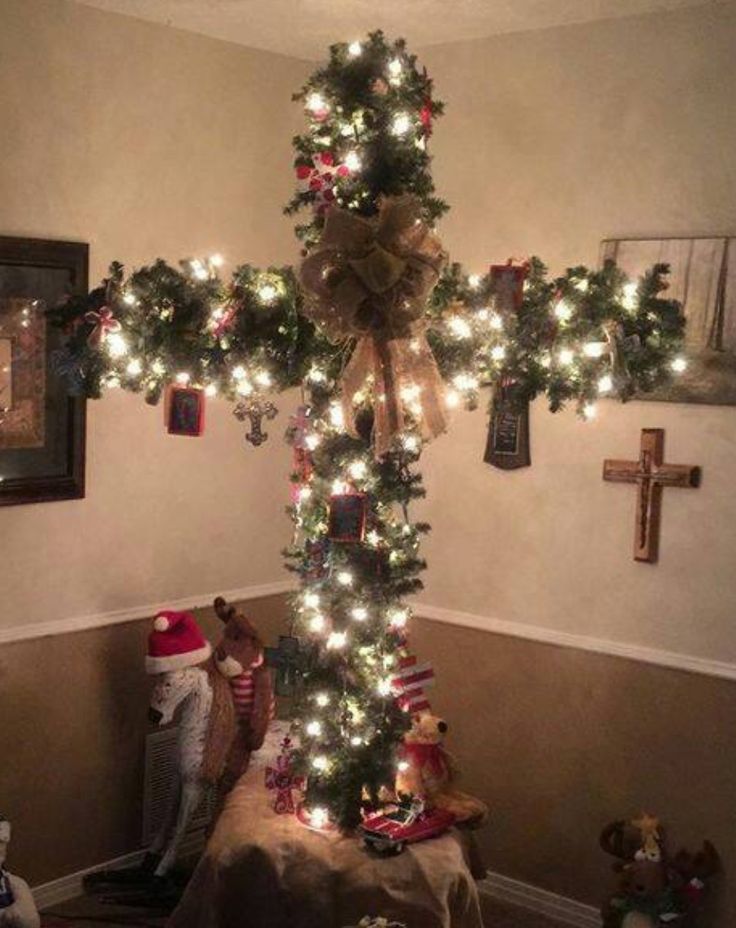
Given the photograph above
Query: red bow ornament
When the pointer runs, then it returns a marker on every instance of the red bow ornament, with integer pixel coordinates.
(282, 779)
(104, 324)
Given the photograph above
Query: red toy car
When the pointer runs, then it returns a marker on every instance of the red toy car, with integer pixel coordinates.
(389, 832)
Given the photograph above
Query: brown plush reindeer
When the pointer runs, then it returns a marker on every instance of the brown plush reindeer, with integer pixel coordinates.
(239, 658)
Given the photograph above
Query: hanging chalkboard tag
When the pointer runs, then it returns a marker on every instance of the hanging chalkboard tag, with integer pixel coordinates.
(508, 433)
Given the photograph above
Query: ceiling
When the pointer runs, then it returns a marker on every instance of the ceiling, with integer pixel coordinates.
(304, 28)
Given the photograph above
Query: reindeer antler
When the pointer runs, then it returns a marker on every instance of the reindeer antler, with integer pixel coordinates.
(222, 610)
(612, 840)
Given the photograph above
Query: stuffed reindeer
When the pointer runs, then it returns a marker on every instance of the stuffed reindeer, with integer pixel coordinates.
(239, 658)
(654, 890)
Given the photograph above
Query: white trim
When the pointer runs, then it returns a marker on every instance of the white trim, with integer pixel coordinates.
(560, 908)
(167, 663)
(71, 886)
(634, 652)
(118, 616)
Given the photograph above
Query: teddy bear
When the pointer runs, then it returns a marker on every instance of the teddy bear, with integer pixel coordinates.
(427, 770)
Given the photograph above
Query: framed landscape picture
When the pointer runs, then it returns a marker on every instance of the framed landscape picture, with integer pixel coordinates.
(42, 428)
(703, 279)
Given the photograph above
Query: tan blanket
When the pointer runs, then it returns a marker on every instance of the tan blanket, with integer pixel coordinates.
(262, 870)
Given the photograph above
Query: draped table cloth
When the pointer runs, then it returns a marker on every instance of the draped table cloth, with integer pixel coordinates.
(263, 870)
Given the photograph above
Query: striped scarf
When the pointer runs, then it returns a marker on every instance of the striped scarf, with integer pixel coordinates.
(243, 690)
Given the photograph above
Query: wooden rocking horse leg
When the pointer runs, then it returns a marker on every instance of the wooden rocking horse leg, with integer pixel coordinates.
(191, 796)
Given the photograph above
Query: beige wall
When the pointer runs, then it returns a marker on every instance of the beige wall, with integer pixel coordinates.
(552, 141)
(145, 141)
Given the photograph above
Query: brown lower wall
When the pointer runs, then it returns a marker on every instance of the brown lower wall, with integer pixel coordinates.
(558, 741)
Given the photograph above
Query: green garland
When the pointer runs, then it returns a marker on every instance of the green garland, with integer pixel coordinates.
(573, 338)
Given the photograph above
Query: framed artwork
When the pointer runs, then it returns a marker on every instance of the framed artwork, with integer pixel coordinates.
(348, 512)
(185, 411)
(703, 279)
(42, 428)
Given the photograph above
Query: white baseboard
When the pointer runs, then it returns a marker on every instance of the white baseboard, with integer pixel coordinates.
(72, 886)
(560, 908)
(117, 616)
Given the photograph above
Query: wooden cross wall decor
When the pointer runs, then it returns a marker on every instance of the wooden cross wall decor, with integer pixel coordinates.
(650, 475)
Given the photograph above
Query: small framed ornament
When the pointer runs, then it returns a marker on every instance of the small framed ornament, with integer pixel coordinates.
(508, 445)
(348, 513)
(185, 411)
(507, 286)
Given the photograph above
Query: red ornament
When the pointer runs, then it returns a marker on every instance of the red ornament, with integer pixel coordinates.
(507, 285)
(425, 117)
(282, 779)
(319, 178)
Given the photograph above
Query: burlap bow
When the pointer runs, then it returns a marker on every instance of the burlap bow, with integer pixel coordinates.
(370, 279)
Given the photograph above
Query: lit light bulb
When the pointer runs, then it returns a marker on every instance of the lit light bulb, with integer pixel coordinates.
(339, 487)
(320, 763)
(394, 67)
(345, 578)
(199, 270)
(474, 281)
(679, 365)
(315, 375)
(314, 729)
(357, 469)
(267, 293)
(383, 687)
(594, 349)
(244, 387)
(401, 124)
(352, 161)
(563, 311)
(356, 741)
(398, 617)
(589, 411)
(318, 817)
(116, 345)
(210, 390)
(317, 623)
(605, 384)
(373, 538)
(316, 104)
(134, 367)
(312, 441)
(355, 49)
(311, 600)
(582, 285)
(263, 378)
(322, 699)
(410, 443)
(452, 398)
(498, 353)
(459, 327)
(217, 260)
(239, 372)
(183, 378)
(402, 766)
(336, 641)
(129, 299)
(304, 493)
(158, 368)
(359, 613)
(465, 382)
(630, 293)
(496, 322)
(566, 356)
(337, 419)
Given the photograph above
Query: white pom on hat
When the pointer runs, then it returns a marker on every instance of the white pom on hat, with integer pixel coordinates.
(161, 623)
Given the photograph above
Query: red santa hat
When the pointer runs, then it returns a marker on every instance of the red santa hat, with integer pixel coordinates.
(175, 642)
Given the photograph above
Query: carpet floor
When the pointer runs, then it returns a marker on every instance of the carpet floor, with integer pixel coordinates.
(87, 912)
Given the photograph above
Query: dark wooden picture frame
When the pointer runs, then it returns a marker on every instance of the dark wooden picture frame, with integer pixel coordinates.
(347, 518)
(43, 460)
(185, 411)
